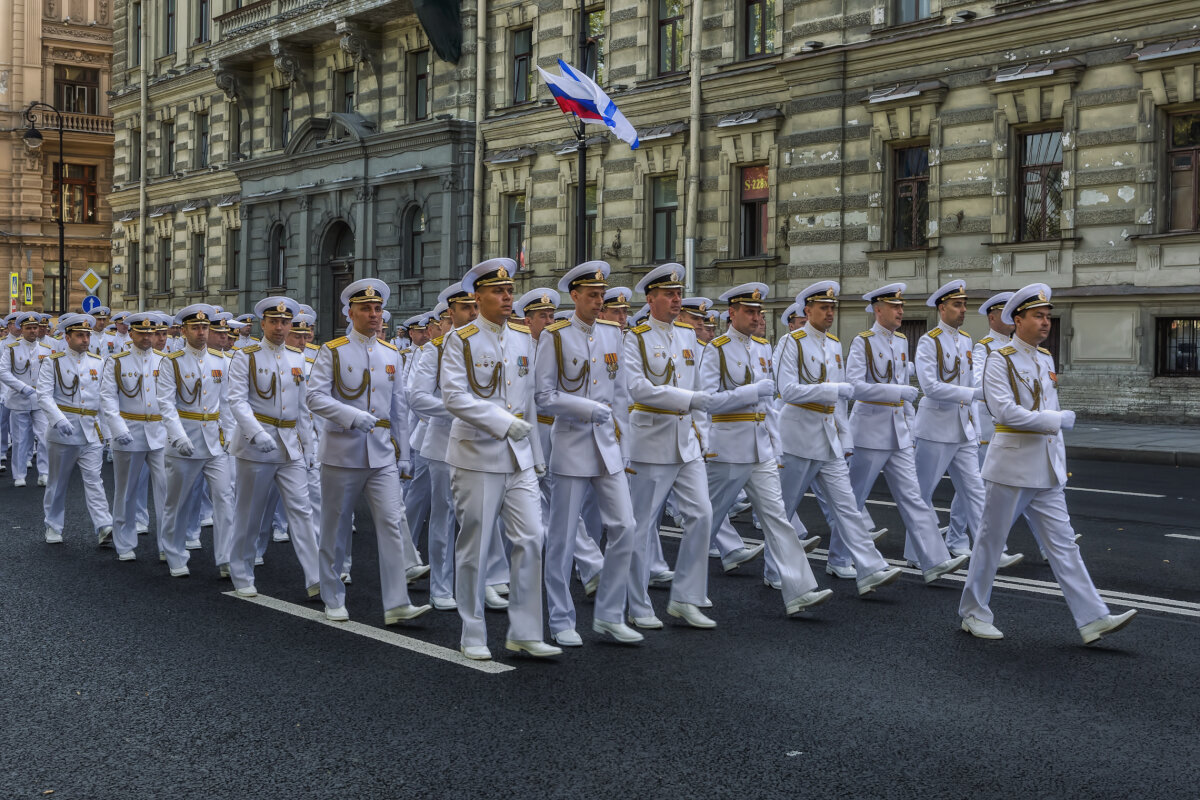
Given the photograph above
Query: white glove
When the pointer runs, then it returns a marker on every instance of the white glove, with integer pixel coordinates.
(1067, 420)
(405, 467)
(184, 447)
(64, 428)
(908, 394)
(539, 469)
(766, 387)
(845, 391)
(601, 414)
(27, 391)
(264, 442)
(363, 422)
(978, 396)
(518, 430)
(124, 439)
(700, 401)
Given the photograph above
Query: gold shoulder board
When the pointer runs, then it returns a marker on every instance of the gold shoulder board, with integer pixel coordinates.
(467, 331)
(157, 352)
(338, 342)
(311, 346)
(175, 354)
(720, 340)
(936, 332)
(93, 355)
(558, 325)
(831, 336)
(221, 353)
(799, 334)
(964, 333)
(901, 335)
(438, 341)
(1044, 350)
(679, 324)
(249, 349)
(866, 334)
(640, 329)
(985, 340)
(760, 340)
(59, 354)
(1007, 351)
(386, 343)
(293, 349)
(609, 322)
(518, 328)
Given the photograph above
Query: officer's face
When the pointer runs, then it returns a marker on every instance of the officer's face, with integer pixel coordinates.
(78, 340)
(160, 339)
(196, 335)
(617, 315)
(141, 339)
(1033, 326)
(122, 328)
(463, 313)
(797, 322)
(29, 332)
(889, 315)
(999, 325)
(820, 315)
(953, 312)
(538, 320)
(588, 300)
(275, 329)
(367, 318)
(665, 303)
(295, 339)
(495, 302)
(745, 319)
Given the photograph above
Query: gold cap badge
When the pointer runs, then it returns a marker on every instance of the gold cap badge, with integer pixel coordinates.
(502, 273)
(370, 292)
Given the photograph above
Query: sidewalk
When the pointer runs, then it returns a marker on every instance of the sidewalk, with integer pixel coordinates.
(1173, 445)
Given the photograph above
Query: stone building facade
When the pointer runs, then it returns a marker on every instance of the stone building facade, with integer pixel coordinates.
(59, 54)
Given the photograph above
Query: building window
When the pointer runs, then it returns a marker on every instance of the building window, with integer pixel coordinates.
(202, 21)
(135, 154)
(233, 259)
(50, 283)
(166, 157)
(168, 44)
(1041, 186)
(235, 130)
(135, 32)
(515, 243)
(670, 36)
(76, 193)
(77, 89)
(1184, 157)
(282, 118)
(755, 189)
(134, 268)
(414, 247)
(593, 55)
(199, 246)
(1177, 343)
(910, 198)
(164, 265)
(202, 140)
(662, 227)
(910, 11)
(760, 27)
(522, 66)
(277, 253)
(418, 85)
(345, 84)
(913, 330)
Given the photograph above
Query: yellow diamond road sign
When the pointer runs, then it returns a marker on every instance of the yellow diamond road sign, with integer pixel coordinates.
(91, 281)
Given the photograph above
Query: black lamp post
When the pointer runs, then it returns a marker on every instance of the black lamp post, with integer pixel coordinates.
(33, 140)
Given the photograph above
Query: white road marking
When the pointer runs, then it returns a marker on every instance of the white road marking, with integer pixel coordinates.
(1163, 604)
(1099, 491)
(1183, 536)
(888, 503)
(387, 637)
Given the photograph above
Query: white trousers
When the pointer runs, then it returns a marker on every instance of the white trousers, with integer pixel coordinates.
(566, 530)
(899, 469)
(764, 490)
(833, 478)
(182, 475)
(28, 430)
(340, 490)
(648, 490)
(290, 479)
(589, 559)
(482, 500)
(63, 458)
(129, 494)
(418, 503)
(142, 494)
(1046, 510)
(4, 432)
(962, 461)
(443, 526)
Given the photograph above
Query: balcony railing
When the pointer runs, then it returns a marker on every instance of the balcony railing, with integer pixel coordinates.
(268, 13)
(78, 123)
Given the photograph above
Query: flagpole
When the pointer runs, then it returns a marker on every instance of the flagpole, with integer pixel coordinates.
(581, 254)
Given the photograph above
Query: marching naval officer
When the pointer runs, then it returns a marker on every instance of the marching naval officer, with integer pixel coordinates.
(20, 366)
(191, 390)
(945, 427)
(357, 385)
(274, 444)
(878, 368)
(579, 381)
(1026, 472)
(129, 404)
(488, 385)
(69, 394)
(738, 364)
(814, 432)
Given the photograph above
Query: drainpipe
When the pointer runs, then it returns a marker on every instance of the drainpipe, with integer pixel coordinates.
(480, 110)
(143, 117)
(693, 189)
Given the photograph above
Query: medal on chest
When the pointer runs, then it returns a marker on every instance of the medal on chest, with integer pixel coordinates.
(522, 366)
(688, 359)
(610, 361)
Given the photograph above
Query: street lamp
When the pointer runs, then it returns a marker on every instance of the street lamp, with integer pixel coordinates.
(34, 140)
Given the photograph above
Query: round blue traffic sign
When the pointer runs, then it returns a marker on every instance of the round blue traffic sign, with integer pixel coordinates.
(90, 303)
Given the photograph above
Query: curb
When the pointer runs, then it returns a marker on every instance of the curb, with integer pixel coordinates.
(1169, 458)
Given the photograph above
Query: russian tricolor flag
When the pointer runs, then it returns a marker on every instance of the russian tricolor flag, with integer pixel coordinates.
(578, 94)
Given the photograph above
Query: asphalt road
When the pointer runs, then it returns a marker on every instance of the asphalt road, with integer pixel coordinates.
(122, 683)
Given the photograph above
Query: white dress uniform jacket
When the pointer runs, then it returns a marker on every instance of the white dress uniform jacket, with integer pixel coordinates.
(945, 372)
(69, 390)
(20, 364)
(276, 405)
(812, 423)
(984, 424)
(191, 388)
(742, 432)
(878, 367)
(663, 360)
(129, 399)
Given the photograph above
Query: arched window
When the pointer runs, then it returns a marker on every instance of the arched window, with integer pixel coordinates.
(413, 230)
(277, 255)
